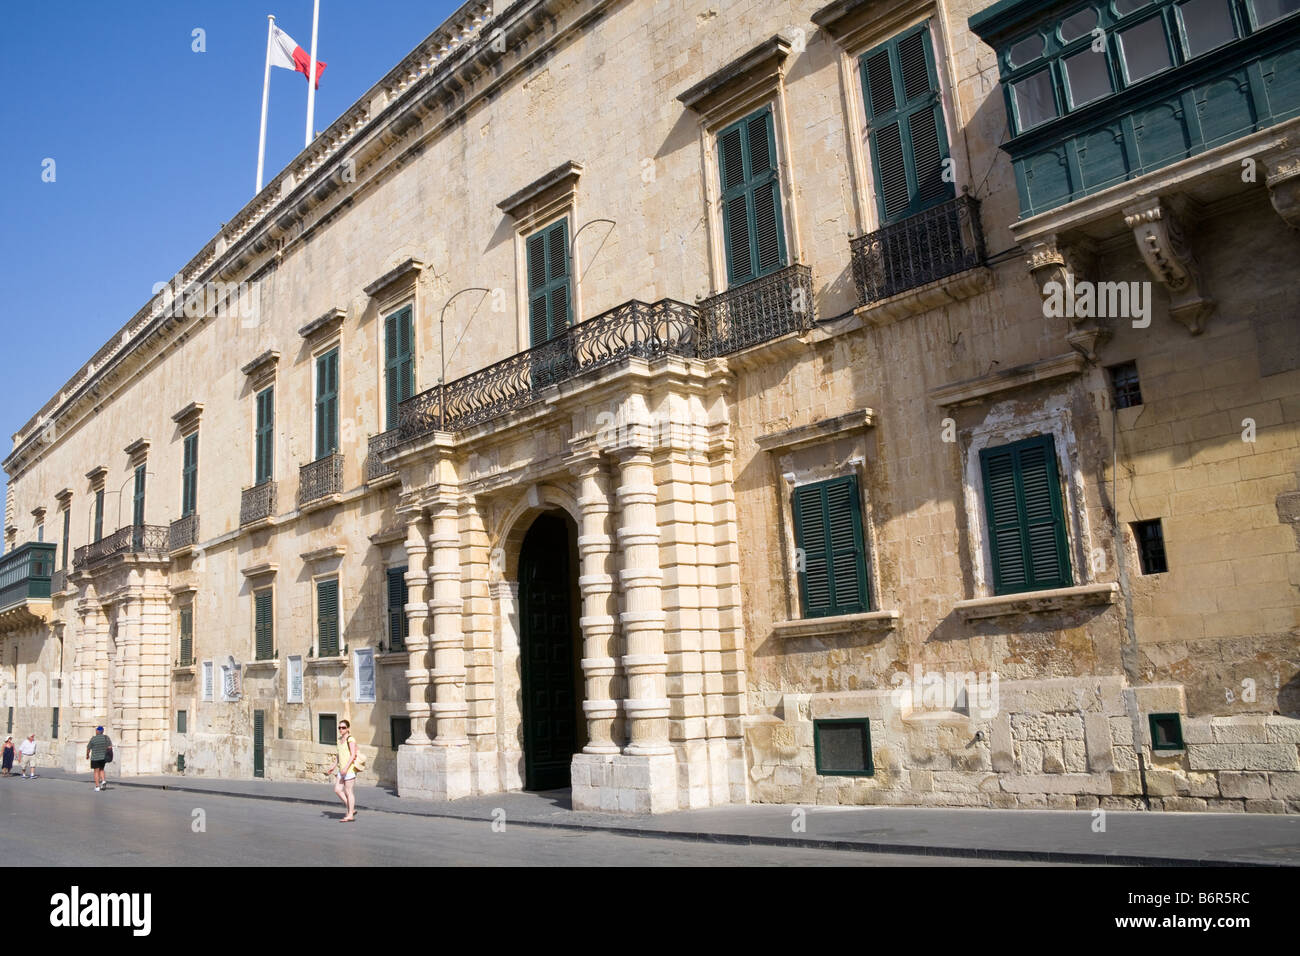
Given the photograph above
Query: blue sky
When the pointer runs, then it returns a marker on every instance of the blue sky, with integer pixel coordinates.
(154, 147)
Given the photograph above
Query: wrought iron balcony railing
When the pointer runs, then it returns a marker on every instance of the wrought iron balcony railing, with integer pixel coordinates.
(184, 532)
(320, 479)
(148, 539)
(58, 582)
(934, 244)
(25, 573)
(757, 311)
(635, 328)
(375, 467)
(257, 503)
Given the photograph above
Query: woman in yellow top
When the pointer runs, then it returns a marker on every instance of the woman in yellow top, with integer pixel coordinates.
(345, 763)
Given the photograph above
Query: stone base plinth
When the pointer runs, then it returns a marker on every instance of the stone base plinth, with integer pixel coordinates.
(621, 783)
(434, 773)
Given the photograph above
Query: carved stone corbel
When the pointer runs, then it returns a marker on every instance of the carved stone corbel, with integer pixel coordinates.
(1158, 229)
(1057, 264)
(1282, 169)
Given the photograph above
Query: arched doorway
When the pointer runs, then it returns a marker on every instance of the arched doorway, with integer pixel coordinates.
(550, 651)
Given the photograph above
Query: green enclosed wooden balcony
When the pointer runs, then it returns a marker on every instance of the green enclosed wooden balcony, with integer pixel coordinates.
(25, 577)
(1106, 91)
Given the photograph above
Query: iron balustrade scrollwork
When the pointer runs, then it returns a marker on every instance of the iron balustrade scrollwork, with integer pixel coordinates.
(184, 532)
(257, 503)
(939, 242)
(58, 582)
(633, 329)
(757, 312)
(320, 478)
(148, 539)
(375, 467)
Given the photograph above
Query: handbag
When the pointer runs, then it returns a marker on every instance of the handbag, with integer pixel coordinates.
(108, 754)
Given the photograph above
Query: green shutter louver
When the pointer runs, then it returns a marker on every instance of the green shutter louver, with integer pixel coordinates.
(1026, 520)
(327, 404)
(327, 617)
(263, 626)
(137, 510)
(547, 252)
(909, 142)
(190, 476)
(67, 535)
(828, 532)
(187, 636)
(398, 626)
(265, 435)
(399, 362)
(753, 236)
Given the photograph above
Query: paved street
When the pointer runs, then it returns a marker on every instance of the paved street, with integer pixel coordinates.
(57, 822)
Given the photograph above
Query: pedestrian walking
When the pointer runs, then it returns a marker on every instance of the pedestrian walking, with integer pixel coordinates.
(347, 762)
(27, 750)
(7, 763)
(99, 750)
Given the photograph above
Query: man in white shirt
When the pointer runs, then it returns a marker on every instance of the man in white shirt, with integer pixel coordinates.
(27, 751)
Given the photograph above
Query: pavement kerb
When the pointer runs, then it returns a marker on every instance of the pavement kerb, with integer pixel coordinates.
(749, 839)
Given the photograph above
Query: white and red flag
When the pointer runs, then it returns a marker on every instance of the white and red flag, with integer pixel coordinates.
(285, 53)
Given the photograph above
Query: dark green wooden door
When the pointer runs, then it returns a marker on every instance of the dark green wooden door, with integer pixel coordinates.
(259, 743)
(547, 655)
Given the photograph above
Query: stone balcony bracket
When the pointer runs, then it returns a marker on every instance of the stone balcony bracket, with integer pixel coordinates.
(1282, 175)
(1158, 227)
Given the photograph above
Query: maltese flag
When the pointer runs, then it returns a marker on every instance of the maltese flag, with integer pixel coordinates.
(289, 55)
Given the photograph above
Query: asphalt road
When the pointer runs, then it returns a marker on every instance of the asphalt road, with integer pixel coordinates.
(47, 822)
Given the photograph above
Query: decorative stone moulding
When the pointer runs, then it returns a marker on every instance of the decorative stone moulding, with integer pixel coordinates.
(188, 417)
(1052, 260)
(398, 278)
(869, 622)
(558, 182)
(326, 325)
(757, 69)
(1158, 229)
(1282, 176)
(262, 364)
(979, 389)
(64, 496)
(825, 430)
(324, 554)
(1032, 602)
(97, 474)
(260, 570)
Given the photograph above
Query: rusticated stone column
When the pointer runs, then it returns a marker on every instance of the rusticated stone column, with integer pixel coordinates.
(418, 678)
(642, 619)
(599, 626)
(446, 608)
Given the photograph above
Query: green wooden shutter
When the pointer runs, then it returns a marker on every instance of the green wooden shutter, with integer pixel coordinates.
(828, 530)
(1026, 520)
(99, 514)
(137, 511)
(190, 476)
(263, 625)
(909, 141)
(753, 237)
(187, 635)
(67, 534)
(398, 626)
(327, 617)
(327, 404)
(549, 308)
(265, 434)
(399, 362)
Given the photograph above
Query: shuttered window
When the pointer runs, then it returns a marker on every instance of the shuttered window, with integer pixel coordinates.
(263, 625)
(828, 534)
(187, 636)
(190, 476)
(753, 235)
(549, 294)
(265, 435)
(398, 626)
(327, 617)
(99, 514)
(327, 404)
(327, 730)
(399, 362)
(1026, 521)
(909, 142)
(67, 534)
(137, 510)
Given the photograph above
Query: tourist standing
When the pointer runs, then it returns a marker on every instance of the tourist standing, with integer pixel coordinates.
(346, 762)
(27, 750)
(7, 765)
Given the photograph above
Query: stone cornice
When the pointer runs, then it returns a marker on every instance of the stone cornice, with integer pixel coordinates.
(97, 474)
(189, 415)
(766, 58)
(323, 554)
(263, 363)
(64, 496)
(825, 430)
(855, 23)
(137, 450)
(561, 179)
(405, 274)
(264, 569)
(324, 326)
(983, 387)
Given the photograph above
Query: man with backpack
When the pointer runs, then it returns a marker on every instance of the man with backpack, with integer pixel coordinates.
(100, 752)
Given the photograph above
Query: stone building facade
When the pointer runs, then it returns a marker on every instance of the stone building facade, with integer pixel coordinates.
(704, 403)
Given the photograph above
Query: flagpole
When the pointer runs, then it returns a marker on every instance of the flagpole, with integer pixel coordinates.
(311, 76)
(266, 89)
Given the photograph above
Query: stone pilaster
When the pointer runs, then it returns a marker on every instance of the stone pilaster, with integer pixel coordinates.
(599, 626)
(417, 674)
(480, 684)
(124, 726)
